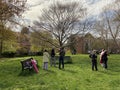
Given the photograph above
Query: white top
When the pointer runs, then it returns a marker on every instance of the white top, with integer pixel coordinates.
(101, 54)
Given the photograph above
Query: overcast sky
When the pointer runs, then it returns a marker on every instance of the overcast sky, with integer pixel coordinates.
(35, 7)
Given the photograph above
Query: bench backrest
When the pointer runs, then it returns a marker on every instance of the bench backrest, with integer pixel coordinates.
(26, 64)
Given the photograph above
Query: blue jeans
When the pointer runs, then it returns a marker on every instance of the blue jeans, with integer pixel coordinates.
(45, 65)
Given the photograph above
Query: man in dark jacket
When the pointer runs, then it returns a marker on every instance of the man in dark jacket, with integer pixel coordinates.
(61, 58)
(93, 56)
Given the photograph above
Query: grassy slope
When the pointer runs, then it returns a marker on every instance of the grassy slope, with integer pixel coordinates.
(76, 76)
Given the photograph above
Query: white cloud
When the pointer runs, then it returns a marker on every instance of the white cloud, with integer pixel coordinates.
(94, 7)
(97, 8)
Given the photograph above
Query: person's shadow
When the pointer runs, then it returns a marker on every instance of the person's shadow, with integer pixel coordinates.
(110, 71)
(68, 70)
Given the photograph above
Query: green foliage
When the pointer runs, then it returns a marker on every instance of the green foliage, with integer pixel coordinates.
(40, 40)
(75, 76)
(7, 39)
(39, 53)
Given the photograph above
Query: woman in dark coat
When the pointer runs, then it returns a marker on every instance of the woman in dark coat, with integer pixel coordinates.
(52, 60)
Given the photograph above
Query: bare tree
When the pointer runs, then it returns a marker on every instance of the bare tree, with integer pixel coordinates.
(113, 21)
(39, 43)
(102, 32)
(59, 20)
(10, 9)
(108, 29)
(115, 32)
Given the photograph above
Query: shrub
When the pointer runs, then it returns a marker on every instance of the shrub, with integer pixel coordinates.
(39, 53)
(8, 54)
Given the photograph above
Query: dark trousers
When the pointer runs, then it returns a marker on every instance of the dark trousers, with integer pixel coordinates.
(52, 61)
(61, 62)
(94, 65)
(105, 64)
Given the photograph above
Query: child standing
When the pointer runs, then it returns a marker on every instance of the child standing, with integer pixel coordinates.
(45, 60)
(93, 56)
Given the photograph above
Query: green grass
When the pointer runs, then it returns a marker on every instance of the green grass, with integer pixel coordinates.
(75, 76)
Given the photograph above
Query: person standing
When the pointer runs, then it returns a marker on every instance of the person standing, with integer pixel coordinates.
(45, 60)
(105, 59)
(101, 57)
(93, 57)
(52, 60)
(61, 57)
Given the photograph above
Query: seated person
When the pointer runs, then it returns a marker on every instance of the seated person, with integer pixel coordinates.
(34, 63)
(29, 64)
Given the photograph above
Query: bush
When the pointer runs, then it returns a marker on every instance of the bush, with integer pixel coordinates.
(8, 54)
(39, 53)
(23, 54)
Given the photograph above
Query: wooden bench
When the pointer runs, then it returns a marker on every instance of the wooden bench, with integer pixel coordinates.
(27, 64)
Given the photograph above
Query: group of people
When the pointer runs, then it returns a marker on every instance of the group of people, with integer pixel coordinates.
(93, 55)
(103, 59)
(51, 57)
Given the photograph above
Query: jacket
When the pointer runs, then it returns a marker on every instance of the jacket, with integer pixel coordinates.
(45, 57)
(93, 56)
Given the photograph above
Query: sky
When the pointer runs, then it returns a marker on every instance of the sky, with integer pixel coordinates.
(35, 6)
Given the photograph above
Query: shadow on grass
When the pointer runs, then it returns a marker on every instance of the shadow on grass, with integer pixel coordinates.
(27, 73)
(115, 70)
(69, 71)
(110, 72)
(49, 71)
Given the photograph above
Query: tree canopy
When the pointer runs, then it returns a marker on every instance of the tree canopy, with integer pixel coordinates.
(10, 9)
(59, 20)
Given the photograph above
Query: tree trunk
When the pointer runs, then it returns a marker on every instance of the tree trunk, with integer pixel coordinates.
(1, 46)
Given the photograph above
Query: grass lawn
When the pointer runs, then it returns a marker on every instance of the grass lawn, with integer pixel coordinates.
(75, 76)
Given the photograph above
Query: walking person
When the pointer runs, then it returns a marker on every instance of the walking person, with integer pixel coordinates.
(61, 58)
(52, 59)
(93, 57)
(105, 59)
(45, 60)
